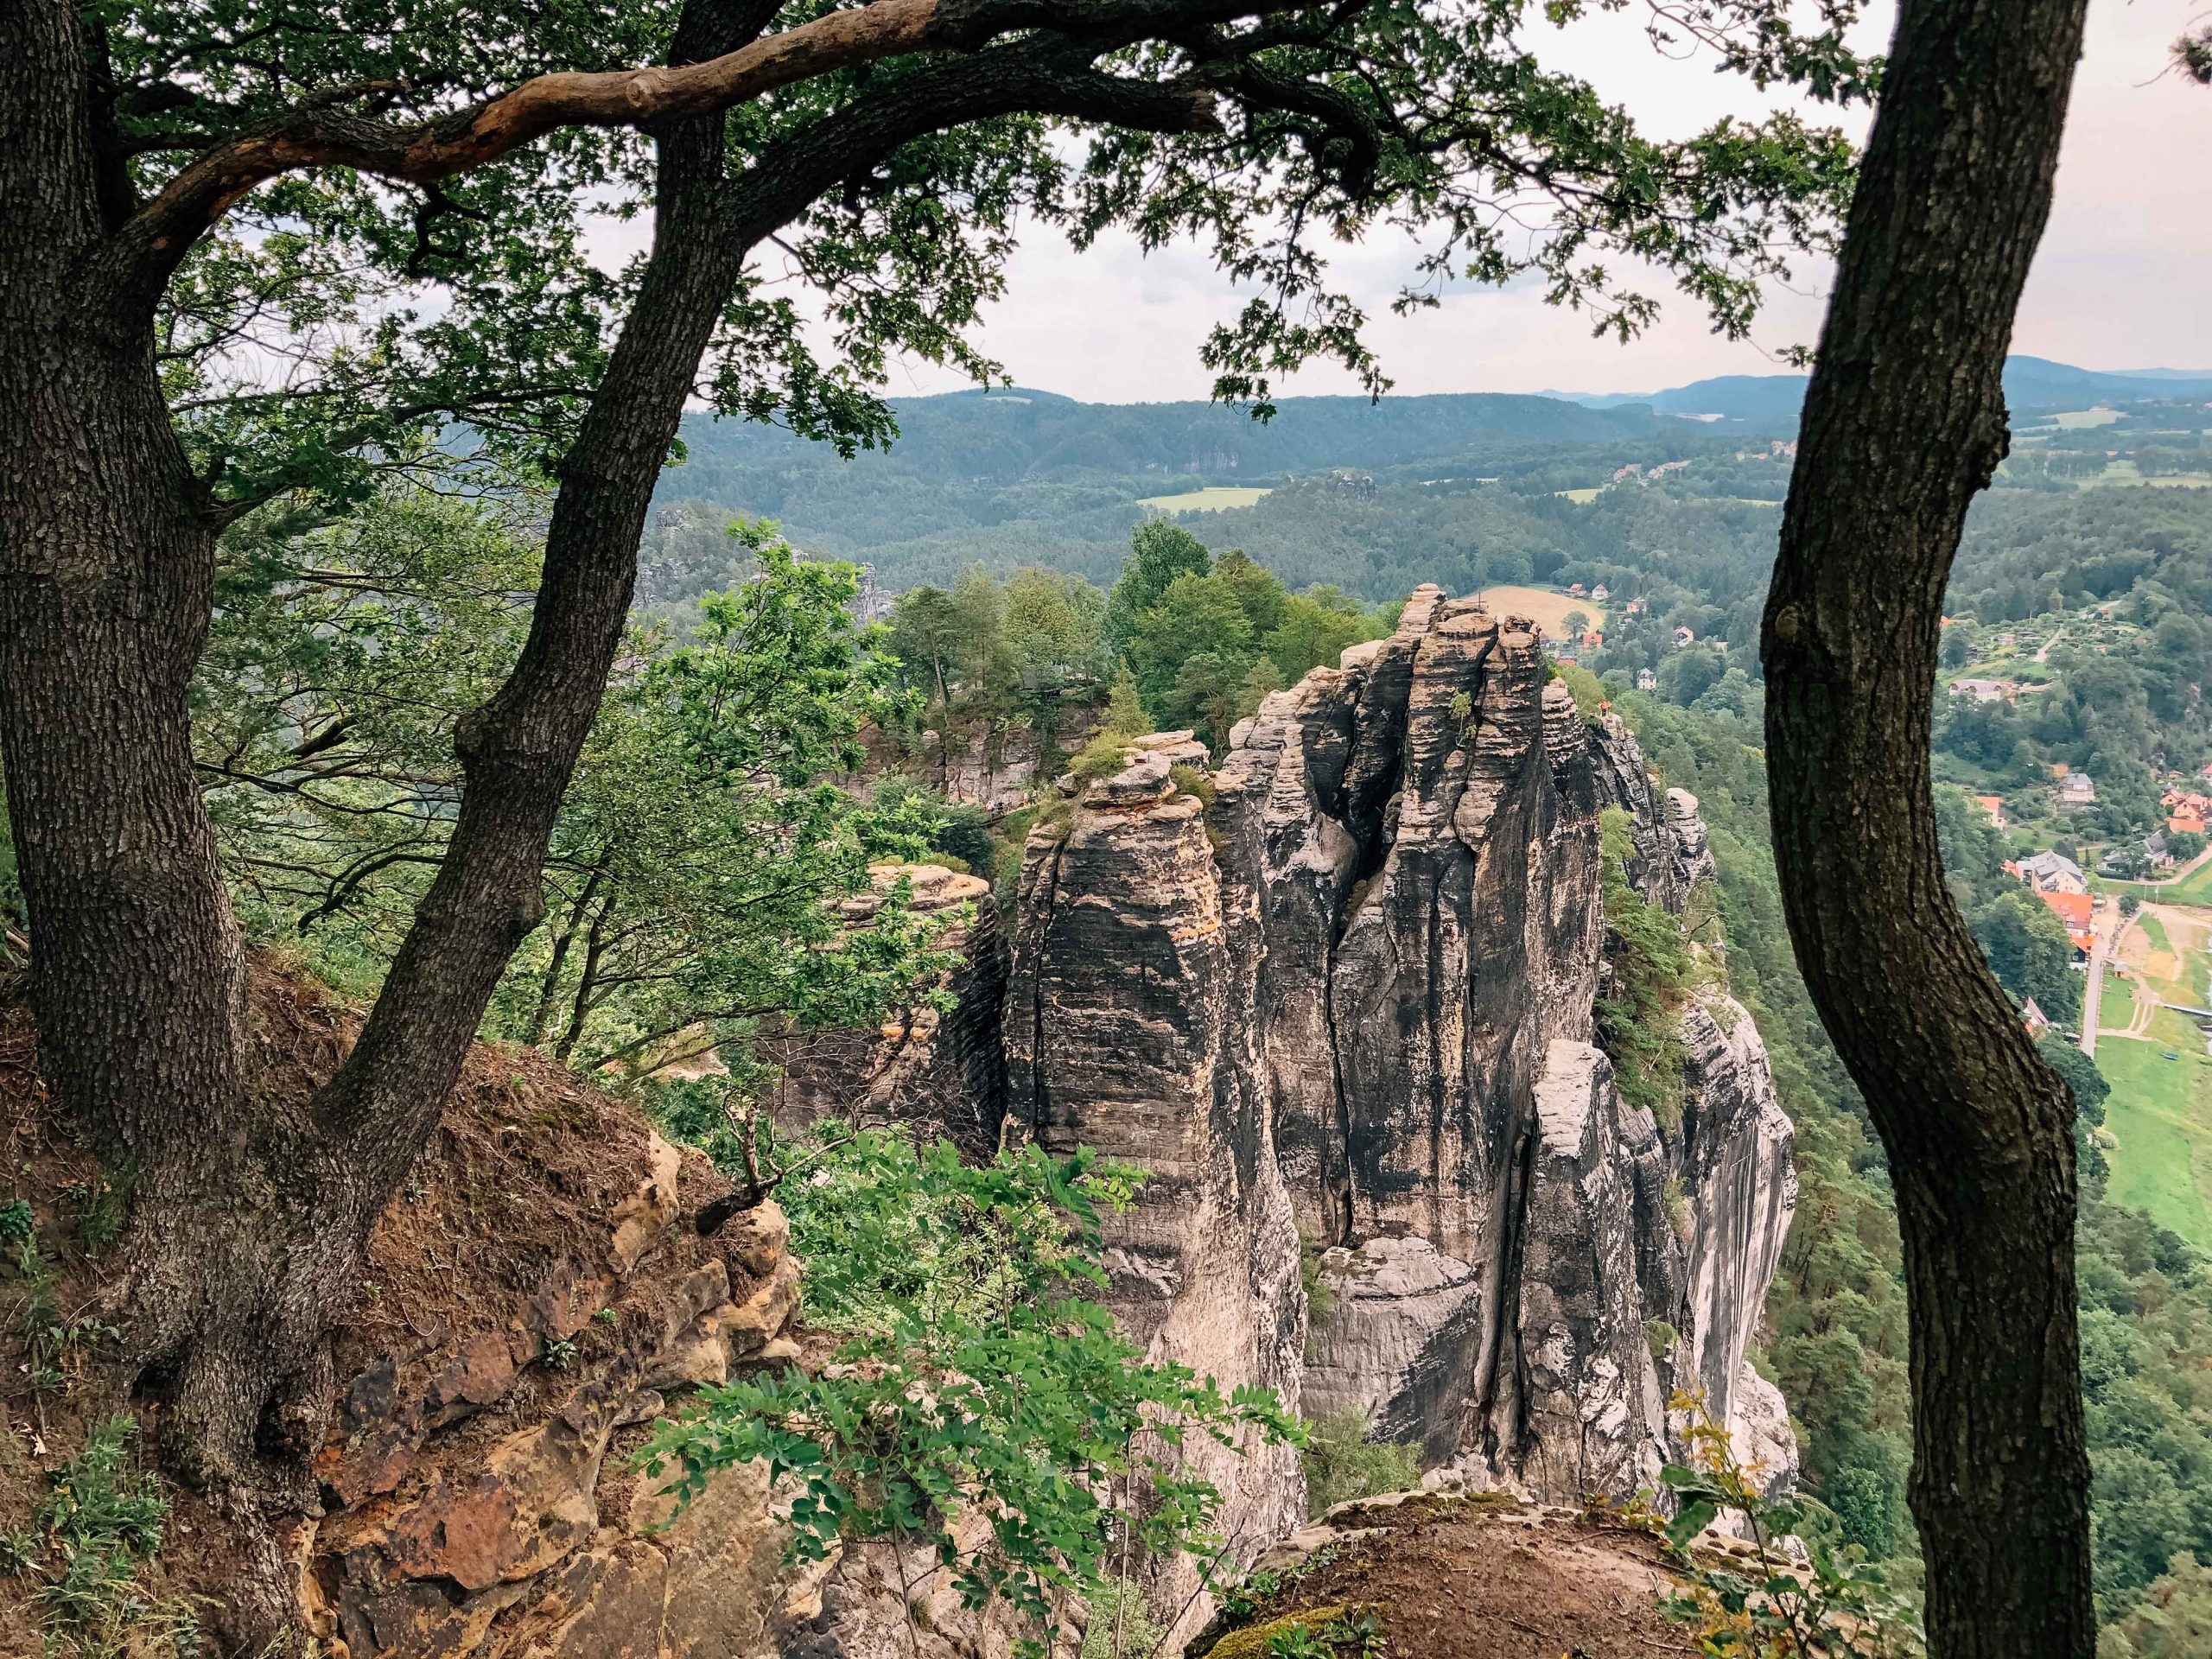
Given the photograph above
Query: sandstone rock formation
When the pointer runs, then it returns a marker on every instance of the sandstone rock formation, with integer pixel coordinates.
(1131, 1028)
(481, 1495)
(942, 1071)
(1354, 994)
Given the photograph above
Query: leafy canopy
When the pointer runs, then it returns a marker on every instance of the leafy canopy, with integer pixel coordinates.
(337, 321)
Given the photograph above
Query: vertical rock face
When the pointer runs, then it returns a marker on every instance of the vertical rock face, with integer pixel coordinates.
(942, 1069)
(1354, 995)
(1131, 1028)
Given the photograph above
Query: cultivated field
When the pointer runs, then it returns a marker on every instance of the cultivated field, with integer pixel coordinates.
(2158, 1118)
(1546, 608)
(1213, 499)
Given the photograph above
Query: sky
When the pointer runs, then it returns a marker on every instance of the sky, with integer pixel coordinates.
(2123, 279)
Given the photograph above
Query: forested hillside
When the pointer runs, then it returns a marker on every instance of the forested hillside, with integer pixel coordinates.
(1837, 1344)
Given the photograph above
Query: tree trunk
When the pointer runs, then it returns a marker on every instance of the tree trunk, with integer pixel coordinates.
(250, 1218)
(1903, 422)
(251, 1215)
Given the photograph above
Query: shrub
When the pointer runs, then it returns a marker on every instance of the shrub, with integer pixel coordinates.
(1342, 1463)
(975, 1372)
(1834, 1608)
(1102, 757)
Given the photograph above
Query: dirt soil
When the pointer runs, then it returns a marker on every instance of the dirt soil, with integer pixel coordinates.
(1480, 1578)
(528, 1160)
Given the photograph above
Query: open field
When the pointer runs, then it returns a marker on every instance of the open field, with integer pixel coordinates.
(2074, 420)
(2160, 1115)
(2117, 1009)
(2122, 472)
(1212, 498)
(2194, 888)
(1582, 497)
(1546, 609)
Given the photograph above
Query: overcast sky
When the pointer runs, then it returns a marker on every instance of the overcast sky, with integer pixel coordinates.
(2124, 279)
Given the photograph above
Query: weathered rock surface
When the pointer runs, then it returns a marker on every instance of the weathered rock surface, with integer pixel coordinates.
(484, 1501)
(1351, 996)
(1397, 1342)
(1130, 1029)
(944, 1072)
(1360, 983)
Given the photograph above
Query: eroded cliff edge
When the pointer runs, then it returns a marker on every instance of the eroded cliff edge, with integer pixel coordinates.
(1350, 997)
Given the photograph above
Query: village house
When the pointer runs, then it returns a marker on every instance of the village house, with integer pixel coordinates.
(1592, 638)
(1601, 593)
(2151, 849)
(1985, 691)
(1576, 590)
(2185, 820)
(2034, 1017)
(2073, 909)
(1646, 680)
(2050, 873)
(1994, 806)
(1683, 636)
(2076, 790)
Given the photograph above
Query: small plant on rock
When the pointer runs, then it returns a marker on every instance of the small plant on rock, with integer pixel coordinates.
(1831, 1607)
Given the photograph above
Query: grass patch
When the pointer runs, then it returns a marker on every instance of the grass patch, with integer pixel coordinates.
(2196, 889)
(2075, 420)
(2159, 1114)
(1215, 497)
(2155, 930)
(90, 1533)
(2117, 1006)
(1582, 497)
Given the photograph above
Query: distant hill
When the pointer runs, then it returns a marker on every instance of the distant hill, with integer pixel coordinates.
(1021, 476)
(2032, 385)
(1019, 435)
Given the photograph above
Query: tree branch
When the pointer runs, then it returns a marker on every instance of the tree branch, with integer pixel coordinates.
(156, 238)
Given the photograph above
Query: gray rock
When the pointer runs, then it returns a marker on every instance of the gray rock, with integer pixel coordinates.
(1398, 1341)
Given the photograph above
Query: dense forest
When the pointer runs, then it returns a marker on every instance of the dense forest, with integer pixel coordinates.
(1836, 1312)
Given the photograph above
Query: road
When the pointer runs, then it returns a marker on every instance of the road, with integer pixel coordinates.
(2105, 928)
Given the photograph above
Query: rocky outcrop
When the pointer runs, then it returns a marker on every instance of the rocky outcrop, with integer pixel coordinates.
(1359, 985)
(939, 1063)
(482, 1496)
(1131, 1029)
(1668, 856)
(1391, 1340)
(1742, 1191)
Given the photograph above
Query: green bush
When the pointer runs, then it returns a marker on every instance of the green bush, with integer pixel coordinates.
(975, 1371)
(1342, 1463)
(1650, 970)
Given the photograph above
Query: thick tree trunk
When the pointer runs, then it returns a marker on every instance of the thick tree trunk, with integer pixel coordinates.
(1903, 422)
(251, 1218)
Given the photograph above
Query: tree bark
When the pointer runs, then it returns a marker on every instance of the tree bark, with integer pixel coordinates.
(251, 1214)
(1903, 422)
